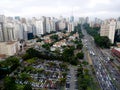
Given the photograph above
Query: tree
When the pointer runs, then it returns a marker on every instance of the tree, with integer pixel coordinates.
(9, 83)
(79, 46)
(27, 87)
(29, 68)
(68, 53)
(74, 60)
(80, 55)
(63, 66)
(32, 52)
(10, 64)
(118, 68)
(24, 76)
(40, 70)
(46, 46)
(57, 51)
(39, 40)
(54, 37)
(13, 60)
(26, 56)
(111, 59)
(85, 63)
(80, 71)
(102, 41)
(62, 81)
(64, 74)
(30, 61)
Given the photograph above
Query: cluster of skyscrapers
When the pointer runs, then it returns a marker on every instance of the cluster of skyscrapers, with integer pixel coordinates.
(13, 29)
(17, 28)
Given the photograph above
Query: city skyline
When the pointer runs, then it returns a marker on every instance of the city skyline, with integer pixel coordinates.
(78, 8)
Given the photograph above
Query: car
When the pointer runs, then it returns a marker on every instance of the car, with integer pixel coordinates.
(114, 78)
(90, 52)
(102, 79)
(108, 58)
(93, 53)
(97, 73)
(76, 86)
(68, 85)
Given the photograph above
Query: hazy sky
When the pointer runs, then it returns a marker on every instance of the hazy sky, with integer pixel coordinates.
(30, 8)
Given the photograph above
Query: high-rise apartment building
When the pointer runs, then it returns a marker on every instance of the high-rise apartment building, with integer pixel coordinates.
(87, 20)
(112, 29)
(18, 30)
(48, 24)
(53, 22)
(81, 20)
(1, 32)
(10, 32)
(70, 27)
(2, 21)
(62, 25)
(72, 19)
(41, 26)
(108, 29)
(118, 25)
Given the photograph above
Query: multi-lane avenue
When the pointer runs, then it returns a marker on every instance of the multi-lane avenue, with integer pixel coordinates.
(107, 76)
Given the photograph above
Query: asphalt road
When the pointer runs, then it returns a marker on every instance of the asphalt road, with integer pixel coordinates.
(73, 78)
(101, 65)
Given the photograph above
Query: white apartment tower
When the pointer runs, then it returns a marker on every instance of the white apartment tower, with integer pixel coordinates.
(1, 32)
(112, 28)
(10, 32)
(70, 27)
(52, 22)
(2, 20)
(39, 27)
(108, 29)
(48, 25)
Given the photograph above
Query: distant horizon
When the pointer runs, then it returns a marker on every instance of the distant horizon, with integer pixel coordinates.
(76, 17)
(33, 8)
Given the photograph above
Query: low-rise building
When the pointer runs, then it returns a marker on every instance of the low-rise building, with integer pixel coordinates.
(60, 43)
(116, 52)
(8, 48)
(2, 57)
(118, 44)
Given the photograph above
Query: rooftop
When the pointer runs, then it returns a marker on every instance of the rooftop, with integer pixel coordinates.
(10, 42)
(2, 55)
(118, 49)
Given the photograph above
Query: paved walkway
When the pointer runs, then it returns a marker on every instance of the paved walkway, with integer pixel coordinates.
(73, 78)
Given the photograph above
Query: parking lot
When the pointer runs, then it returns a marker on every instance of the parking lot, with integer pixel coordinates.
(46, 74)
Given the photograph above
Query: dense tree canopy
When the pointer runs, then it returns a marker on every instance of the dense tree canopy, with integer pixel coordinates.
(80, 55)
(54, 37)
(101, 41)
(27, 87)
(9, 83)
(46, 46)
(10, 64)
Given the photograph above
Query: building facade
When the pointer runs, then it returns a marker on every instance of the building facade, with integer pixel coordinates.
(108, 28)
